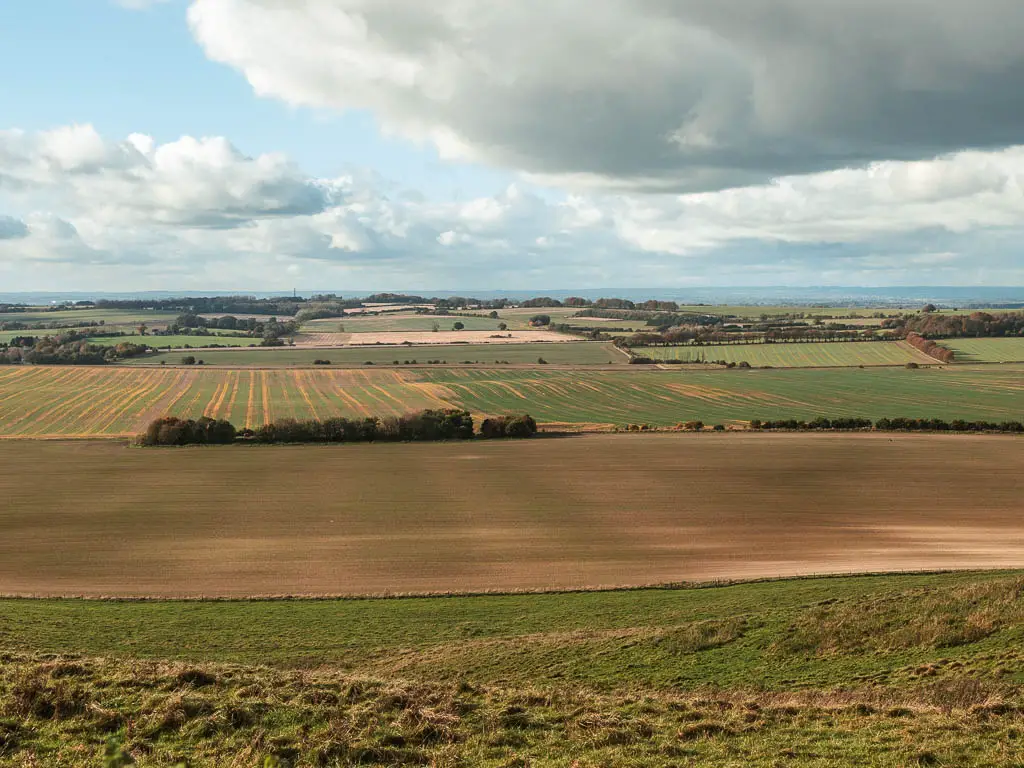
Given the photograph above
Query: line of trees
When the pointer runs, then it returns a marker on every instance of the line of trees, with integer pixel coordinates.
(930, 348)
(901, 424)
(418, 426)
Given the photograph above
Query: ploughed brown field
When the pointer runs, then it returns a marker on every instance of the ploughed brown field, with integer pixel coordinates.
(589, 511)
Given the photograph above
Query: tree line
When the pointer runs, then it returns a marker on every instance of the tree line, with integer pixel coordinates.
(930, 348)
(418, 426)
(900, 424)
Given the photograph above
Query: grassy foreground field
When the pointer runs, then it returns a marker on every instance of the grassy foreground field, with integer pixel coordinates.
(119, 401)
(811, 355)
(586, 511)
(881, 671)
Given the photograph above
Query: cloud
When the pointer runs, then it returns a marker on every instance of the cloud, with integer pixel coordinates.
(649, 95)
(12, 228)
(190, 182)
(959, 193)
(199, 213)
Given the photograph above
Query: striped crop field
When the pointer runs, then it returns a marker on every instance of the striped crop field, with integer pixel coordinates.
(119, 401)
(792, 355)
(986, 350)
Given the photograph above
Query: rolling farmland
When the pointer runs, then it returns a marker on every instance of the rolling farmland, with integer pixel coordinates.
(118, 401)
(803, 355)
(501, 515)
(575, 353)
(986, 350)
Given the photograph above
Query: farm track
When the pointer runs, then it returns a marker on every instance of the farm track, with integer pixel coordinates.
(596, 511)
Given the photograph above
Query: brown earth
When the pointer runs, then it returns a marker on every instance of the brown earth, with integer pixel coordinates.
(589, 511)
(371, 338)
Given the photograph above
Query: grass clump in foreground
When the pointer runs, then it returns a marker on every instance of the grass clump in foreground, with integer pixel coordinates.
(881, 671)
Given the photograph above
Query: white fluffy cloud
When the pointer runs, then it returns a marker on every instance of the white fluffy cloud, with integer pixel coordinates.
(669, 95)
(959, 193)
(189, 182)
(199, 213)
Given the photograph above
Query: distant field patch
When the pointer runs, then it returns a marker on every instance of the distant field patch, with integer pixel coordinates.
(108, 316)
(810, 355)
(397, 323)
(311, 339)
(986, 350)
(578, 353)
(177, 342)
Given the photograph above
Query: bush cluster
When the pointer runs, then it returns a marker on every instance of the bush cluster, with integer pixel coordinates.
(170, 430)
(519, 425)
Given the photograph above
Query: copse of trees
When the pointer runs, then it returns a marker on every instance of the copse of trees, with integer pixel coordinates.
(518, 425)
(66, 349)
(542, 301)
(425, 425)
(170, 430)
(539, 320)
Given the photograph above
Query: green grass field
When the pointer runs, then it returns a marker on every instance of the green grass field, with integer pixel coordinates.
(986, 350)
(110, 401)
(810, 355)
(575, 353)
(108, 316)
(922, 670)
(226, 338)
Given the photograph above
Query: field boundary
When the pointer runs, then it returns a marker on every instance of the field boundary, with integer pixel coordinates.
(680, 586)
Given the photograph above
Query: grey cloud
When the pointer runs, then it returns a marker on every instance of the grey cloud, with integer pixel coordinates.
(12, 229)
(681, 95)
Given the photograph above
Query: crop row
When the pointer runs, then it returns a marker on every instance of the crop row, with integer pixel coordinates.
(72, 401)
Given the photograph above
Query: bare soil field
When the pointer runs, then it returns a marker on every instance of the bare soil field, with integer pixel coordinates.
(590, 511)
(371, 338)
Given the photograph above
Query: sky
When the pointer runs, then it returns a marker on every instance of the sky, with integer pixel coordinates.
(517, 144)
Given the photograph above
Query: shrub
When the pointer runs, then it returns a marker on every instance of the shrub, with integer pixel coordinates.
(188, 360)
(516, 425)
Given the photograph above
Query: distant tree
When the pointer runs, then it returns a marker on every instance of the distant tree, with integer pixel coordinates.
(493, 314)
(541, 361)
(458, 326)
(502, 326)
(142, 328)
(929, 308)
(188, 360)
(539, 320)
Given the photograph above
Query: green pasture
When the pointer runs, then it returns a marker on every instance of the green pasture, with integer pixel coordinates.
(1006, 350)
(796, 355)
(891, 671)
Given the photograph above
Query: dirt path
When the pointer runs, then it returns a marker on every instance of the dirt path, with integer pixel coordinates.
(557, 513)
